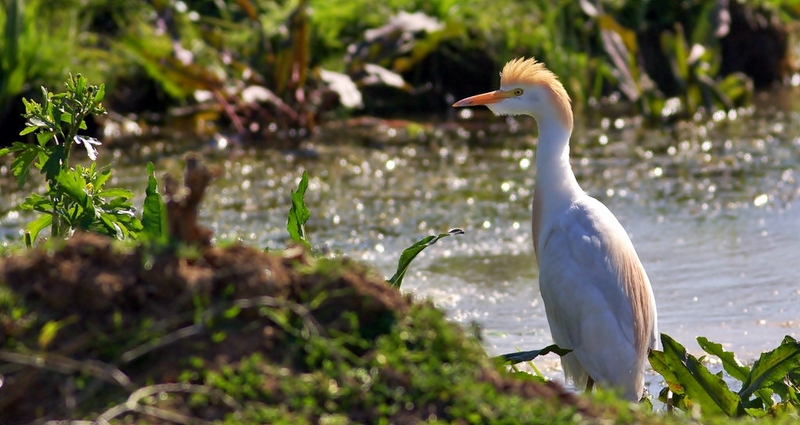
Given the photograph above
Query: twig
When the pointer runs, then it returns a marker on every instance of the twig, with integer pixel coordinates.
(229, 111)
(62, 364)
(158, 342)
(309, 322)
(183, 203)
(132, 403)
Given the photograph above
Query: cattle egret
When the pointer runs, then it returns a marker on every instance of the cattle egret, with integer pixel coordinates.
(596, 293)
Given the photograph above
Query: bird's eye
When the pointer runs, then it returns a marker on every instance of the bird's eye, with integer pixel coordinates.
(517, 92)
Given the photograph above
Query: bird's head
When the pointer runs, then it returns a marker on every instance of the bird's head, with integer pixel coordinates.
(527, 87)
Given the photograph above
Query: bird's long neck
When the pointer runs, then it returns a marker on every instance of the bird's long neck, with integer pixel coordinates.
(554, 176)
(556, 186)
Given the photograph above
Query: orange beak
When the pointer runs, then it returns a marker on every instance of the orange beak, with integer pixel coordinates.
(484, 99)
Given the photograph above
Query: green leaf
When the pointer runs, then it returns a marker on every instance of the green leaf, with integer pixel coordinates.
(525, 356)
(101, 93)
(28, 129)
(37, 202)
(772, 366)
(34, 227)
(110, 226)
(99, 179)
(80, 85)
(43, 137)
(48, 333)
(299, 213)
(21, 165)
(54, 163)
(411, 252)
(115, 193)
(729, 361)
(658, 361)
(154, 214)
(700, 385)
(72, 183)
(15, 147)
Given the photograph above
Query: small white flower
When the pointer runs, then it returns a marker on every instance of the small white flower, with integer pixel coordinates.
(89, 143)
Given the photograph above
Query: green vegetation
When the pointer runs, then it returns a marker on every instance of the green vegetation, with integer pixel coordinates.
(265, 68)
(299, 213)
(776, 374)
(94, 329)
(76, 197)
(411, 252)
(32, 52)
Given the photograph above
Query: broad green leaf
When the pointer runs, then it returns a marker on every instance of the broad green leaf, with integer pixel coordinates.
(658, 361)
(154, 214)
(101, 177)
(54, 163)
(411, 252)
(44, 137)
(115, 193)
(299, 213)
(21, 165)
(37, 202)
(34, 227)
(74, 185)
(729, 361)
(525, 356)
(738, 371)
(772, 366)
(756, 413)
(700, 386)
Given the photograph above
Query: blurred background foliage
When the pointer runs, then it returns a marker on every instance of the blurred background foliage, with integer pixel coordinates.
(262, 69)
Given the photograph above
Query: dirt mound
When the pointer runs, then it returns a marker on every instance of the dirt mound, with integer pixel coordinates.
(91, 278)
(120, 310)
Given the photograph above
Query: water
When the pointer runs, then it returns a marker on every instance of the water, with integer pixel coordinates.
(712, 209)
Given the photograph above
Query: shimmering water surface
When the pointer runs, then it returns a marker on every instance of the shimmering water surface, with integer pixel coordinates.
(712, 208)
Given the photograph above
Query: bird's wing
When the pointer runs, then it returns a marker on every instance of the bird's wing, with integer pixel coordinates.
(597, 296)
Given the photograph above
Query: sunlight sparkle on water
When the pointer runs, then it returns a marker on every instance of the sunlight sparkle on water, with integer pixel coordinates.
(668, 187)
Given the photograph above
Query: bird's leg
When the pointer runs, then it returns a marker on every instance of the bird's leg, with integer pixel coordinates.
(589, 384)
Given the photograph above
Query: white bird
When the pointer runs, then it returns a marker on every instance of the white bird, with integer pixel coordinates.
(596, 293)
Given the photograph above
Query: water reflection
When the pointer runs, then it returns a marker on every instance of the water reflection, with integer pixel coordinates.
(712, 211)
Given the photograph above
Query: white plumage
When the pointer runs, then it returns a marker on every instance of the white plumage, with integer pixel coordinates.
(597, 296)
